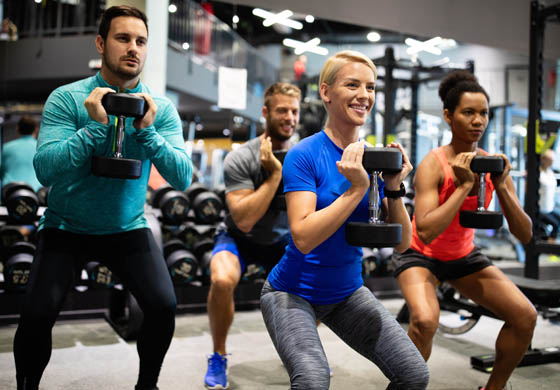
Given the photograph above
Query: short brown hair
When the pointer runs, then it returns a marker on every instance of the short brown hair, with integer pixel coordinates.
(283, 89)
(116, 11)
(27, 125)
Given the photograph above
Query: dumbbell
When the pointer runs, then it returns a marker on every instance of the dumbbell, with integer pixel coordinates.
(254, 273)
(174, 205)
(43, 194)
(279, 200)
(375, 262)
(375, 232)
(206, 204)
(9, 235)
(482, 218)
(190, 233)
(122, 105)
(202, 250)
(17, 259)
(99, 275)
(21, 202)
(181, 263)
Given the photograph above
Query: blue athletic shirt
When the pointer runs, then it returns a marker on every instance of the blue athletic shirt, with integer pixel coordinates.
(80, 202)
(333, 270)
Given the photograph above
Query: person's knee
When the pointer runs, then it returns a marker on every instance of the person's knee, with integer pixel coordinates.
(416, 378)
(319, 380)
(525, 320)
(223, 282)
(423, 325)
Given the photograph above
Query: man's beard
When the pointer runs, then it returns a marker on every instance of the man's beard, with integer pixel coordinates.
(120, 72)
(274, 133)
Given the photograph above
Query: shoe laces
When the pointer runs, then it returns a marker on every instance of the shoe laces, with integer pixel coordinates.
(217, 362)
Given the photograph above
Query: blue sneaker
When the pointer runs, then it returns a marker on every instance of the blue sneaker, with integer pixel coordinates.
(216, 376)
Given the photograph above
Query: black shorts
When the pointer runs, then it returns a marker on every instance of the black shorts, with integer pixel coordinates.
(443, 270)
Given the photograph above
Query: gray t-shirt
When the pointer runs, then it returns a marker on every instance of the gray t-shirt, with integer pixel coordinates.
(243, 170)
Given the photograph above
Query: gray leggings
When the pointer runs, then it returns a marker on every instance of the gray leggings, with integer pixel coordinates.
(361, 321)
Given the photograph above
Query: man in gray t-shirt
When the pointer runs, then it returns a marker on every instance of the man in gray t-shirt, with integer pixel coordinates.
(252, 231)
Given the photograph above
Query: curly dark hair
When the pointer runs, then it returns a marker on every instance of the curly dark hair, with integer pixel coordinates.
(455, 84)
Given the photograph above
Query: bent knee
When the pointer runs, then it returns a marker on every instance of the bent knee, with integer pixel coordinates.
(223, 281)
(524, 320)
(424, 325)
(416, 378)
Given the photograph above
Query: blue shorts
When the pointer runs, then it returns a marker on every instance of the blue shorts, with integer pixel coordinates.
(248, 252)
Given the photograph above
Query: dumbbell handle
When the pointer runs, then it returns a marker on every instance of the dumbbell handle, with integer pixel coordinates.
(481, 191)
(119, 137)
(373, 198)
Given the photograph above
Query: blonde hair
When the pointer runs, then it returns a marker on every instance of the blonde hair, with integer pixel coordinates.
(281, 89)
(337, 61)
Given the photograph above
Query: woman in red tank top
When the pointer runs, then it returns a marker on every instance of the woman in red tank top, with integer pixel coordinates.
(442, 249)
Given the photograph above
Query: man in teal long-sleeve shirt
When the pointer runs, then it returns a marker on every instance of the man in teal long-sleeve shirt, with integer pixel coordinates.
(98, 217)
(17, 155)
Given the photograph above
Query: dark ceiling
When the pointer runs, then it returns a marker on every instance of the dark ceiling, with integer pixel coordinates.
(251, 29)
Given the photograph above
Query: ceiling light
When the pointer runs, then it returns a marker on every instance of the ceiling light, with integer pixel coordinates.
(373, 36)
(301, 47)
(235, 19)
(186, 45)
(309, 18)
(172, 8)
(429, 46)
(283, 18)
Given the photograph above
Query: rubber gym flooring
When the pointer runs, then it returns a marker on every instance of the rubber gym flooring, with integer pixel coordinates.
(89, 355)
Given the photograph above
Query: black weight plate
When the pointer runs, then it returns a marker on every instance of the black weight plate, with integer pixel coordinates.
(480, 219)
(10, 235)
(382, 160)
(9, 188)
(124, 104)
(22, 206)
(487, 164)
(201, 247)
(99, 275)
(43, 195)
(195, 189)
(207, 207)
(378, 235)
(182, 266)
(117, 168)
(16, 272)
(174, 206)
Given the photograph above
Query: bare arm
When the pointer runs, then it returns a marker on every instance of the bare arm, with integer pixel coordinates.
(432, 218)
(248, 206)
(312, 227)
(519, 222)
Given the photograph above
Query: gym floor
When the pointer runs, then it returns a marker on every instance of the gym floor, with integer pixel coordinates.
(89, 355)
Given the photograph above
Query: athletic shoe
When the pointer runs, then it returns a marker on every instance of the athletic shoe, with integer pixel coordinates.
(216, 376)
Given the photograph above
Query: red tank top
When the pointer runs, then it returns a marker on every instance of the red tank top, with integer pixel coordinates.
(455, 241)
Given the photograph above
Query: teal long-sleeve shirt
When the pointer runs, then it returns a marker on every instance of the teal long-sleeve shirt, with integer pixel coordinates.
(83, 203)
(17, 162)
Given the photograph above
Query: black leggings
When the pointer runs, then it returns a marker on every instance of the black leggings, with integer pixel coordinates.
(134, 257)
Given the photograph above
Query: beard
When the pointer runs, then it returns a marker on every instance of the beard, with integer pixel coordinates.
(274, 132)
(121, 71)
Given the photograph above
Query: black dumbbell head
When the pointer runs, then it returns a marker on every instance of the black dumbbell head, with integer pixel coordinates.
(373, 235)
(481, 219)
(21, 201)
(124, 104)
(195, 189)
(382, 160)
(207, 207)
(9, 235)
(117, 168)
(487, 164)
(174, 205)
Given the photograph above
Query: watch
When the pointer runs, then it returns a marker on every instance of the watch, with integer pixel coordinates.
(395, 194)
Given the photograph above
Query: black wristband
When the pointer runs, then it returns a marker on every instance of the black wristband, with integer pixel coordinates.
(395, 194)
